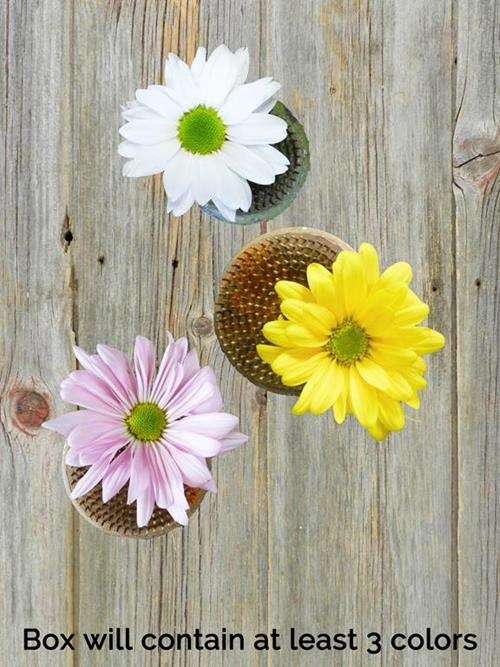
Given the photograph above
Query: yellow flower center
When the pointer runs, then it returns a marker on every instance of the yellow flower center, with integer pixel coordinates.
(201, 130)
(348, 343)
(146, 422)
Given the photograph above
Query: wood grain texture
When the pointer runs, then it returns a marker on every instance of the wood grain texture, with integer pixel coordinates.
(476, 157)
(36, 572)
(314, 526)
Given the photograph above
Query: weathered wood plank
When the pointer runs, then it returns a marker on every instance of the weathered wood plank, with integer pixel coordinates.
(35, 548)
(360, 533)
(476, 157)
(155, 274)
(314, 526)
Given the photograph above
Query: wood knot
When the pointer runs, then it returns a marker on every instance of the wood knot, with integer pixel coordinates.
(28, 408)
(203, 326)
(261, 397)
(477, 161)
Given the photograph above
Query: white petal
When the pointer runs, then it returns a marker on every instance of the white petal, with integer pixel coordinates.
(228, 213)
(242, 64)
(139, 112)
(205, 181)
(220, 75)
(181, 205)
(245, 99)
(179, 78)
(266, 107)
(160, 102)
(152, 159)
(198, 63)
(174, 96)
(148, 132)
(259, 128)
(179, 175)
(129, 149)
(233, 190)
(278, 162)
(247, 164)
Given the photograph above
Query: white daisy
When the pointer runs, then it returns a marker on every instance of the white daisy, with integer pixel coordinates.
(207, 131)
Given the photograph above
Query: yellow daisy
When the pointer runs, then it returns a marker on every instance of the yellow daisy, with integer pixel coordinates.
(352, 339)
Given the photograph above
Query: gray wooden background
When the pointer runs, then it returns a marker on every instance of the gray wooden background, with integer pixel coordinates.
(314, 526)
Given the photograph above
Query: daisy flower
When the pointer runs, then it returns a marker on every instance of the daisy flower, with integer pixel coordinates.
(207, 130)
(352, 339)
(153, 431)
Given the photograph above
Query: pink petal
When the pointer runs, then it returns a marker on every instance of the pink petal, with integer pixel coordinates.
(139, 473)
(191, 365)
(170, 372)
(174, 477)
(95, 452)
(118, 364)
(178, 514)
(169, 386)
(117, 474)
(91, 478)
(197, 444)
(73, 458)
(194, 470)
(144, 357)
(232, 441)
(213, 424)
(195, 392)
(214, 403)
(104, 378)
(160, 477)
(67, 422)
(99, 387)
(74, 392)
(95, 431)
(145, 507)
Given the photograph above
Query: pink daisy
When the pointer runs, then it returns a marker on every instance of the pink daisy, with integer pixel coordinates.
(154, 432)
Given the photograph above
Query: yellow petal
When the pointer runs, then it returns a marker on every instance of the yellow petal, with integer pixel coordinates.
(353, 282)
(297, 366)
(391, 413)
(332, 384)
(340, 405)
(320, 280)
(310, 315)
(420, 365)
(400, 388)
(398, 272)
(363, 399)
(420, 339)
(415, 379)
(412, 314)
(377, 321)
(414, 402)
(389, 297)
(312, 386)
(301, 336)
(378, 431)
(287, 289)
(276, 332)
(268, 353)
(433, 341)
(369, 258)
(374, 374)
(391, 356)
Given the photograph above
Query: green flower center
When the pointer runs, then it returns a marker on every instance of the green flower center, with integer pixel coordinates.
(146, 422)
(348, 343)
(201, 130)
